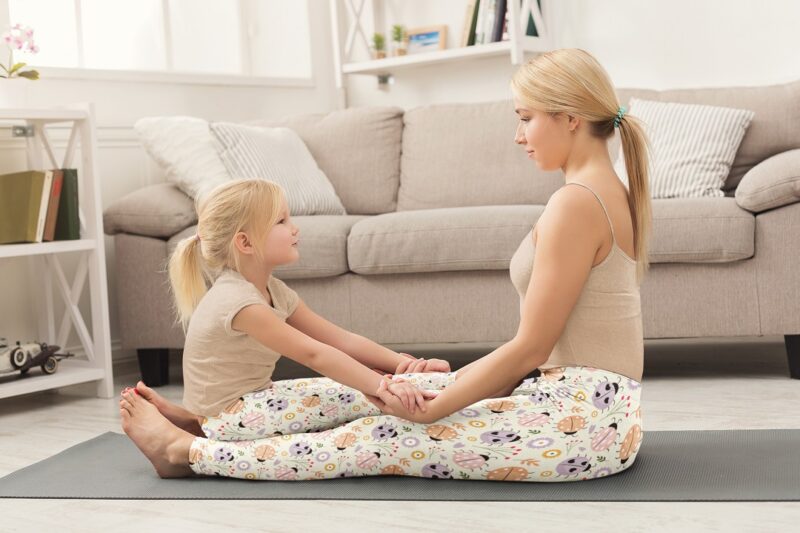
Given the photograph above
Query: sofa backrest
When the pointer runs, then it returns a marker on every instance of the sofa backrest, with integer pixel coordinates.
(358, 149)
(458, 155)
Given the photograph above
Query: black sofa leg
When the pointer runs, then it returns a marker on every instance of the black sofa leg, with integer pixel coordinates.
(793, 352)
(154, 366)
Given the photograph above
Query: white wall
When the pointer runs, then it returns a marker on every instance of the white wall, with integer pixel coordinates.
(647, 44)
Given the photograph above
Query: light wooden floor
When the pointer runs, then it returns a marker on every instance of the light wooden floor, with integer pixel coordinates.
(708, 384)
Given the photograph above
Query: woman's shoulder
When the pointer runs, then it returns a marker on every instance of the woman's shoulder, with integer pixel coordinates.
(571, 207)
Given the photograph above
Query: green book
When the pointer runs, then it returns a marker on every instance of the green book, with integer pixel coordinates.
(474, 24)
(68, 226)
(20, 205)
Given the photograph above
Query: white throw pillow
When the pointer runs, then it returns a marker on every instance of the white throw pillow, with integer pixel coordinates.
(279, 155)
(184, 148)
(692, 146)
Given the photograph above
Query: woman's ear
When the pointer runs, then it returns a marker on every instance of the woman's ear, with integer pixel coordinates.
(573, 123)
(243, 243)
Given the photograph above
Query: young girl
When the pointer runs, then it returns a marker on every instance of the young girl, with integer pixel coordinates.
(580, 332)
(247, 318)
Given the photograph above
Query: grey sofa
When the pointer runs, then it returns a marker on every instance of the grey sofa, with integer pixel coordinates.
(439, 197)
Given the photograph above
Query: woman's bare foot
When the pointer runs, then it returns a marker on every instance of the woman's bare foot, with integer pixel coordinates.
(176, 414)
(165, 445)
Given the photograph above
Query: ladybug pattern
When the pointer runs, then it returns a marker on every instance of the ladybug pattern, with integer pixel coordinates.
(572, 424)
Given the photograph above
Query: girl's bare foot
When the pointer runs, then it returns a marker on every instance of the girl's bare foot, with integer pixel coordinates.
(165, 445)
(176, 414)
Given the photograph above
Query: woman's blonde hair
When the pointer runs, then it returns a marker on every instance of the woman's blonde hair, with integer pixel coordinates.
(252, 206)
(572, 81)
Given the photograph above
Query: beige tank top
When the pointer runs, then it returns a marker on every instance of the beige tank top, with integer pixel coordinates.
(604, 329)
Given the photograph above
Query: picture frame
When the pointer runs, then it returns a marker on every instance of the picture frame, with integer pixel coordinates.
(426, 39)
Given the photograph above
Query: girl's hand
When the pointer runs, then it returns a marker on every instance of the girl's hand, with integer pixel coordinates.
(412, 365)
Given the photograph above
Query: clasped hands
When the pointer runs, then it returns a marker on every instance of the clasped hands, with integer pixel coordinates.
(396, 396)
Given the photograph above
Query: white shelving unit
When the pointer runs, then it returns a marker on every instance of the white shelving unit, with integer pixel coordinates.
(358, 28)
(46, 272)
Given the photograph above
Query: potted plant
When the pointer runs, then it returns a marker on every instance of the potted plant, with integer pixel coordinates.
(379, 43)
(13, 88)
(19, 38)
(399, 38)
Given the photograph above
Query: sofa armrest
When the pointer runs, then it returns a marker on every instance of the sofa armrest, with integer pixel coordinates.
(160, 210)
(774, 182)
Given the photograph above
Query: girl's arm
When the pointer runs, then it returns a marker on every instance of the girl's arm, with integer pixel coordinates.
(261, 323)
(567, 242)
(358, 347)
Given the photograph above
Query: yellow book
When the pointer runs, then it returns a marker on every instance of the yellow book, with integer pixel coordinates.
(21, 205)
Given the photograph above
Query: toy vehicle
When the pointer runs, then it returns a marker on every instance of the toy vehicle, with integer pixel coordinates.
(23, 357)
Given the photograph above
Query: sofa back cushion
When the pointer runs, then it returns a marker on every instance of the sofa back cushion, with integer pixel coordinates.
(461, 155)
(358, 149)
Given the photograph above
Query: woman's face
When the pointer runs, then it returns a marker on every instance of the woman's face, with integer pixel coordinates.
(280, 244)
(547, 138)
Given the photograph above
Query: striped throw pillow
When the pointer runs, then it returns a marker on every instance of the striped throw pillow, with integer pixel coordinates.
(278, 155)
(692, 146)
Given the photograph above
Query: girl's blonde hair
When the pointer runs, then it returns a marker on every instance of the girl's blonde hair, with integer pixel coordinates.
(252, 206)
(572, 81)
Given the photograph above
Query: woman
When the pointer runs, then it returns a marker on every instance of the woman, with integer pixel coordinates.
(580, 334)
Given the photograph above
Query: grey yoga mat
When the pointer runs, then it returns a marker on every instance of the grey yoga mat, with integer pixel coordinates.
(742, 465)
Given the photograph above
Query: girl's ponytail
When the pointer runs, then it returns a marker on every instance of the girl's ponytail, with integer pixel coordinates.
(187, 277)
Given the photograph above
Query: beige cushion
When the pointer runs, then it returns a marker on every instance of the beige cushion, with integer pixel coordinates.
(465, 238)
(323, 242)
(772, 183)
(459, 155)
(156, 211)
(701, 230)
(358, 150)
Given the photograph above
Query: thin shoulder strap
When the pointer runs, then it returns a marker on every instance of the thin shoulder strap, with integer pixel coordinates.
(613, 237)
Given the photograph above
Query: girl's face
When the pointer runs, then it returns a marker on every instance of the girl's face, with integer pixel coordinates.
(280, 244)
(547, 138)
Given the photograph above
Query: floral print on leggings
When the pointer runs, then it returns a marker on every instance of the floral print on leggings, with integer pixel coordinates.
(569, 424)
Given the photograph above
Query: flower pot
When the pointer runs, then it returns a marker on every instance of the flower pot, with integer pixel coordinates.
(380, 54)
(399, 52)
(14, 93)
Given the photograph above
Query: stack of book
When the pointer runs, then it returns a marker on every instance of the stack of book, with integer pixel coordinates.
(39, 206)
(486, 21)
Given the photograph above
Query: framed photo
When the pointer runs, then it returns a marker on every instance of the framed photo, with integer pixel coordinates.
(426, 39)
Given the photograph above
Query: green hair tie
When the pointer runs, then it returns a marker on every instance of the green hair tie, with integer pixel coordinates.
(619, 116)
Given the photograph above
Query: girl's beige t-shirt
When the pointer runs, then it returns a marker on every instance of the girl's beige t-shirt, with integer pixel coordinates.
(219, 363)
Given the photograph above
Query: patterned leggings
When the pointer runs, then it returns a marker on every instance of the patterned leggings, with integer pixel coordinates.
(569, 424)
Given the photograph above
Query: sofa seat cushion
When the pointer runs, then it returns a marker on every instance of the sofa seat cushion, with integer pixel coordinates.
(701, 230)
(436, 240)
(323, 246)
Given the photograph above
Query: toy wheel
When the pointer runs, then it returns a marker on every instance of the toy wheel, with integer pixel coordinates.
(50, 365)
(18, 358)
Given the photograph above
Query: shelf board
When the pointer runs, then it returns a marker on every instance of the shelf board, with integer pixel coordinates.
(68, 373)
(44, 115)
(394, 64)
(40, 248)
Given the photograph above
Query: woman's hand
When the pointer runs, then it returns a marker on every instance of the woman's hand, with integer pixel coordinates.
(412, 365)
(392, 405)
